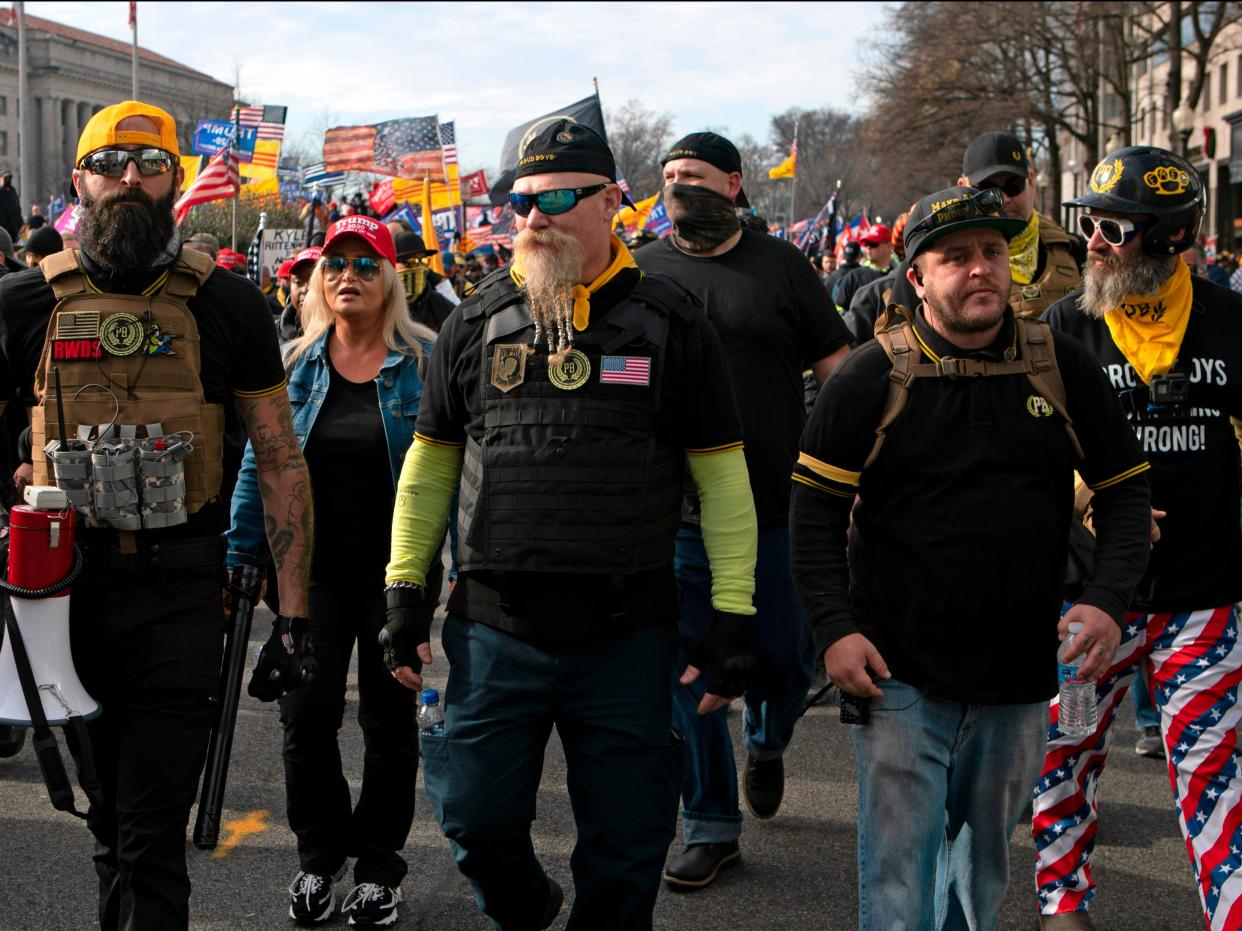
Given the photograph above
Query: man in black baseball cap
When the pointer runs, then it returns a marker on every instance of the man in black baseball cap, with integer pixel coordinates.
(775, 320)
(1043, 258)
(572, 395)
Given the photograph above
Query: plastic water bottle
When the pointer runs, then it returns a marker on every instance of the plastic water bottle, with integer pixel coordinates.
(430, 714)
(1078, 712)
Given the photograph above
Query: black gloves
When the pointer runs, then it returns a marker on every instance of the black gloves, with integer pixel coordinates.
(409, 624)
(726, 654)
(282, 668)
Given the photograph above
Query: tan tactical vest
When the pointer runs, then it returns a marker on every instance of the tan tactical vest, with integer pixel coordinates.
(1060, 277)
(145, 350)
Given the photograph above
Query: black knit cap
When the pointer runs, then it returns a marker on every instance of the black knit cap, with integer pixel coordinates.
(712, 148)
(564, 145)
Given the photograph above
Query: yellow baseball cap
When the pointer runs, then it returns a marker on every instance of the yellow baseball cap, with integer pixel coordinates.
(101, 130)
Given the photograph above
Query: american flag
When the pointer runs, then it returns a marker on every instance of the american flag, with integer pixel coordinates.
(317, 175)
(448, 141)
(269, 121)
(405, 148)
(218, 181)
(625, 370)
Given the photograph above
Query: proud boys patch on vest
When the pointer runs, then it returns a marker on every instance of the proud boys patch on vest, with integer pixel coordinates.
(121, 335)
(508, 366)
(571, 372)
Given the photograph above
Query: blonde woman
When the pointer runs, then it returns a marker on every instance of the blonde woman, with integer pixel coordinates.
(355, 381)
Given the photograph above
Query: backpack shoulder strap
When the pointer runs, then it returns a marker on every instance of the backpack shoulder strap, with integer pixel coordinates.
(1044, 374)
(189, 273)
(894, 332)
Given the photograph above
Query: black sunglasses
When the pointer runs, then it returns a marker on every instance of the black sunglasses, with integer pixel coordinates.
(111, 163)
(365, 267)
(561, 200)
(1012, 186)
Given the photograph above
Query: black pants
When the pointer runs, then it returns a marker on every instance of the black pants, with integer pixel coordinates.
(147, 644)
(328, 828)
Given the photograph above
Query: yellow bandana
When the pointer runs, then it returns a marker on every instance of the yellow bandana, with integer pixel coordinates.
(1024, 252)
(1148, 330)
(621, 259)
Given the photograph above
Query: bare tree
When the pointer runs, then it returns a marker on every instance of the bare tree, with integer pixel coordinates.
(638, 137)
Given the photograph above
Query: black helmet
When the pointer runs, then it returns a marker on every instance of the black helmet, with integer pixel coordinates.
(1144, 179)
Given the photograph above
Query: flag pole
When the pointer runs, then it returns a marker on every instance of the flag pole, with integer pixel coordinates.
(793, 187)
(25, 159)
(237, 193)
(133, 22)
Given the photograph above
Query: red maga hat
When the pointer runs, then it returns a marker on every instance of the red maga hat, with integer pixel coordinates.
(877, 235)
(370, 231)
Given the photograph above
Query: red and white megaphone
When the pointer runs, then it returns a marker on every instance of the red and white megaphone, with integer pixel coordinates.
(41, 555)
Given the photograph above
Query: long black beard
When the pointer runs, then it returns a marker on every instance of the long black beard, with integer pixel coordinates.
(126, 237)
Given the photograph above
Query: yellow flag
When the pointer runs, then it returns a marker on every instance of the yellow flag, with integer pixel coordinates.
(266, 158)
(785, 169)
(258, 189)
(430, 240)
(190, 163)
(404, 191)
(634, 219)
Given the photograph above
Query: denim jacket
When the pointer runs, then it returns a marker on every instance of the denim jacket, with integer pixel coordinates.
(400, 389)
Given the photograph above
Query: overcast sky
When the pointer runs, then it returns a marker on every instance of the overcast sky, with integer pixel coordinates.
(490, 66)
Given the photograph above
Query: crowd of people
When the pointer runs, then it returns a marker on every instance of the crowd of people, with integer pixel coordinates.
(644, 524)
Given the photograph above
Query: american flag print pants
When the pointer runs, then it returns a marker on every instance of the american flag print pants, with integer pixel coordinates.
(1194, 663)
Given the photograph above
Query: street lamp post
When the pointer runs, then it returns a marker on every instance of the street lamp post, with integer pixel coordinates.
(1183, 125)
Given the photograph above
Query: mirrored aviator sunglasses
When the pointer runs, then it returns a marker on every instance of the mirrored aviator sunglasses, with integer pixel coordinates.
(111, 163)
(1115, 231)
(561, 200)
(364, 266)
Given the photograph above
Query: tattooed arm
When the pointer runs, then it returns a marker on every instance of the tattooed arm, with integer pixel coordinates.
(284, 486)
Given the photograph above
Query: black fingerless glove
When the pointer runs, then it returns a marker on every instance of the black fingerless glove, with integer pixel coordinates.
(726, 655)
(282, 668)
(408, 626)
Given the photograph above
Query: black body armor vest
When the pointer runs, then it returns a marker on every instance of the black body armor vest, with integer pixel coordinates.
(578, 469)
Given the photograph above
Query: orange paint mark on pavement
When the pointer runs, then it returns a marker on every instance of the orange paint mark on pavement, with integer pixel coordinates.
(253, 823)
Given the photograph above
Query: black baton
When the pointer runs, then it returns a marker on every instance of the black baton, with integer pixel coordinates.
(244, 584)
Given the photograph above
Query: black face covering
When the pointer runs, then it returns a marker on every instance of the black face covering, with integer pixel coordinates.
(701, 218)
(127, 236)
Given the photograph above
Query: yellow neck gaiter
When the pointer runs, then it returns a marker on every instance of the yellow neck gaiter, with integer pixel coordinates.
(621, 259)
(1149, 329)
(1024, 252)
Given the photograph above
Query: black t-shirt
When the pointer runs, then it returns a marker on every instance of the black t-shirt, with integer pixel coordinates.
(238, 352)
(774, 319)
(1197, 563)
(353, 521)
(958, 549)
(698, 413)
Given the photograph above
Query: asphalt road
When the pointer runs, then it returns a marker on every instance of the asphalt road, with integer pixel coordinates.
(797, 871)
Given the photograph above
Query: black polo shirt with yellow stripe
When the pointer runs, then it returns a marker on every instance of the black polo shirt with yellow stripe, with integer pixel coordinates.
(957, 553)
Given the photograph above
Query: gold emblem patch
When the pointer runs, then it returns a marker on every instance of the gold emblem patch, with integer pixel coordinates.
(1167, 179)
(121, 335)
(508, 366)
(571, 372)
(1038, 407)
(1106, 176)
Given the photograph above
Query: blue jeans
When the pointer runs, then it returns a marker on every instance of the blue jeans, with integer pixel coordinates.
(610, 701)
(941, 786)
(785, 657)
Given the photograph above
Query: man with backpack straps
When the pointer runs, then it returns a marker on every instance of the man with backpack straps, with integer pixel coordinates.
(934, 619)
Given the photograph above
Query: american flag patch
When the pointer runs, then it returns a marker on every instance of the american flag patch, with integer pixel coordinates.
(625, 370)
(84, 324)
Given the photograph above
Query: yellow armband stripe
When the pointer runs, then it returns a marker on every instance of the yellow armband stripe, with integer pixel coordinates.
(713, 450)
(830, 472)
(811, 483)
(264, 393)
(423, 438)
(1118, 479)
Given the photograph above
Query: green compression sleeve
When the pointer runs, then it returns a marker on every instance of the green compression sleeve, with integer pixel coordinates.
(730, 530)
(424, 494)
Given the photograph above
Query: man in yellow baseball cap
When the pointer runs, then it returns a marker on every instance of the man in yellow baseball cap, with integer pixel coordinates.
(118, 125)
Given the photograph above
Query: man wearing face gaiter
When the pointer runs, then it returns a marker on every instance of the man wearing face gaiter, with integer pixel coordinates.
(775, 320)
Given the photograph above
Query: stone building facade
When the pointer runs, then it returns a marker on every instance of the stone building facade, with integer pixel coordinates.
(73, 74)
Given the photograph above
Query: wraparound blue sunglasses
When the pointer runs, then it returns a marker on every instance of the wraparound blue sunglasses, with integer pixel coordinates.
(561, 200)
